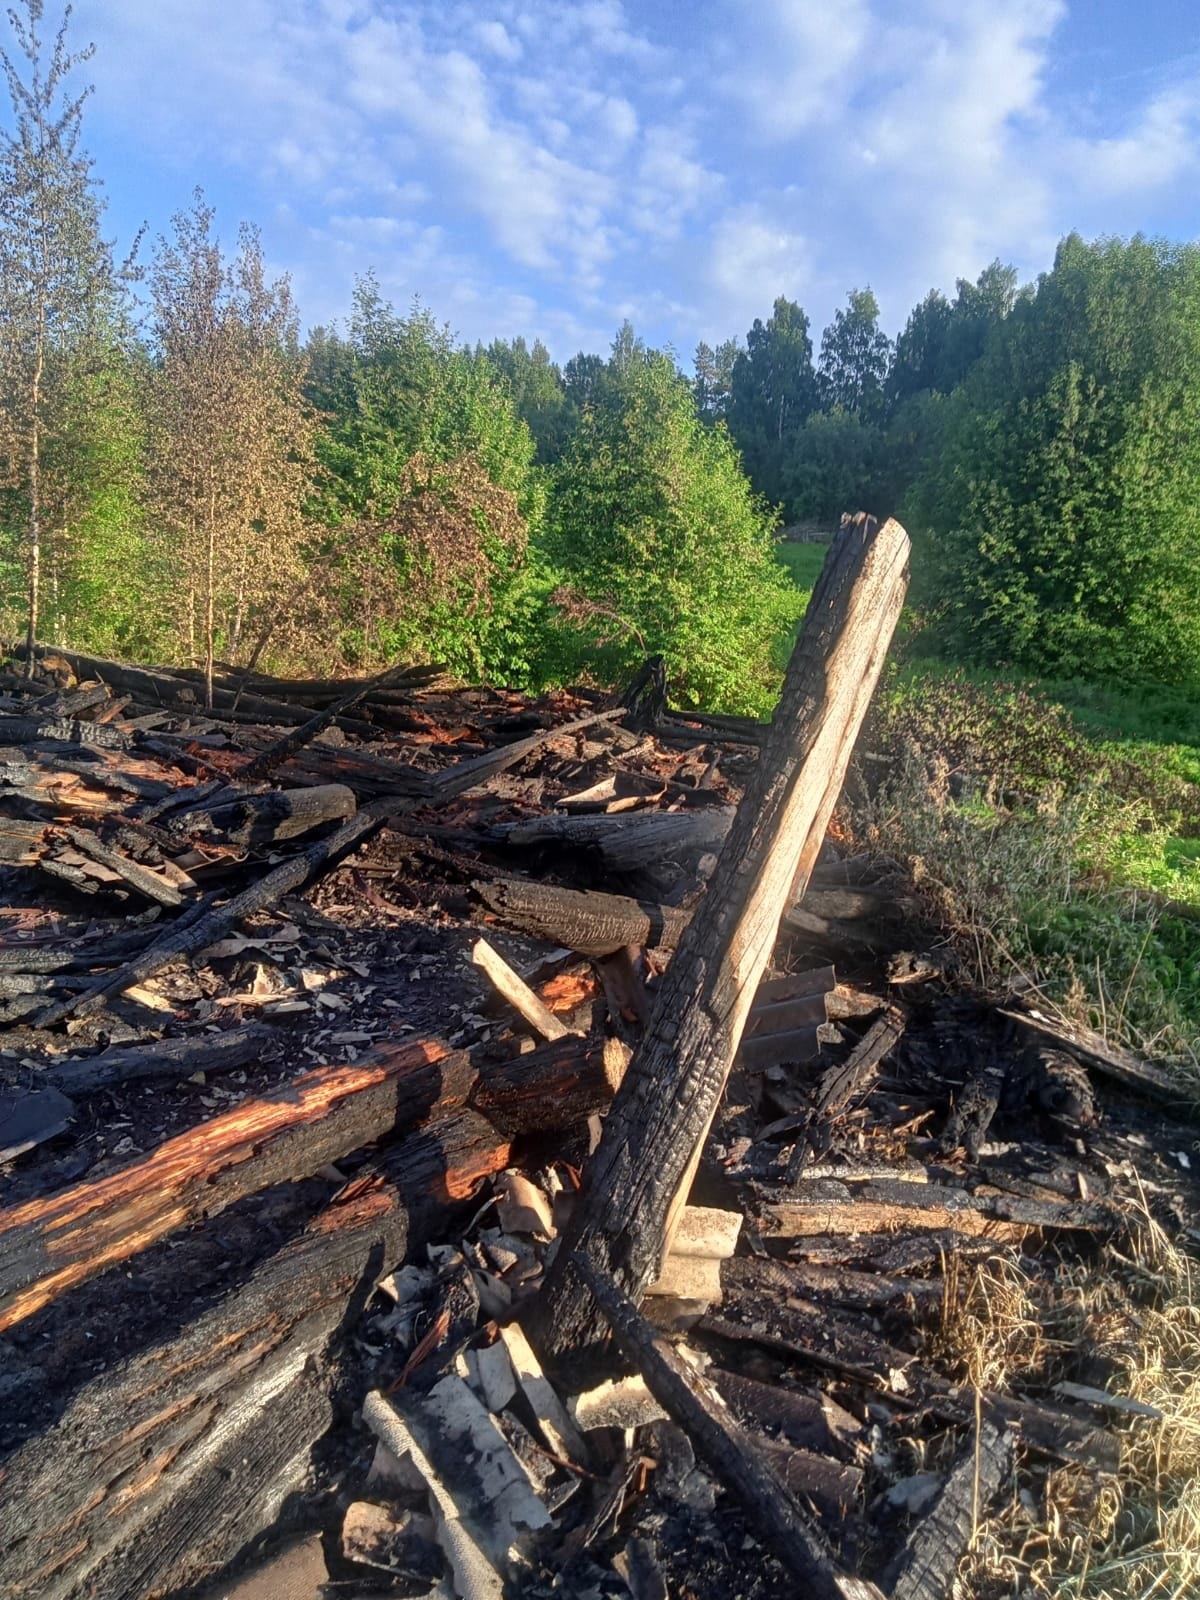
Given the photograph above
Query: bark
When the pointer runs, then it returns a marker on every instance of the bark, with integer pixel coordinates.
(593, 924)
(654, 1134)
(162, 1469)
(165, 1058)
(53, 1242)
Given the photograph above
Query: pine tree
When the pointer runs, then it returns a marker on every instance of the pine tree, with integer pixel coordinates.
(57, 281)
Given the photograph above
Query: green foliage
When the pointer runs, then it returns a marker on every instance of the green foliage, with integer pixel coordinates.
(773, 390)
(837, 463)
(714, 378)
(398, 386)
(1056, 510)
(855, 356)
(59, 290)
(664, 546)
(538, 392)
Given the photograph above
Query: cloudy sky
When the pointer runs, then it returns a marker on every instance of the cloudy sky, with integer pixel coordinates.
(551, 167)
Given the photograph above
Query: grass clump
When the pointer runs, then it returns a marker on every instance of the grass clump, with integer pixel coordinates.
(1048, 856)
(1008, 1325)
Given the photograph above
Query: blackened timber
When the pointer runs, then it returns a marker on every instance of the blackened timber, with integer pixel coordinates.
(594, 924)
(165, 1058)
(639, 1176)
(938, 1543)
(53, 1242)
(267, 818)
(183, 1453)
(274, 755)
(796, 1537)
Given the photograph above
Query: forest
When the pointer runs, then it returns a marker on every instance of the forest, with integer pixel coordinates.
(188, 477)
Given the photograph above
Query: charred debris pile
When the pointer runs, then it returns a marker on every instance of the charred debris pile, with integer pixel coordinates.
(507, 1140)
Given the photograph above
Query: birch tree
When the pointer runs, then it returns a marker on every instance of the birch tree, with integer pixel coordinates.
(57, 280)
(231, 440)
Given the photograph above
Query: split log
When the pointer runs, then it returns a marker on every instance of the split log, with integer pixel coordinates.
(183, 1453)
(885, 1207)
(796, 1538)
(53, 1242)
(516, 991)
(653, 1136)
(36, 730)
(938, 1543)
(140, 879)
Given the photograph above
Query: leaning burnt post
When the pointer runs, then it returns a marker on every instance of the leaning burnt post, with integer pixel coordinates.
(641, 1173)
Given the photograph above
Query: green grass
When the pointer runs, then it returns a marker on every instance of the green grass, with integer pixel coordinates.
(1056, 826)
(803, 562)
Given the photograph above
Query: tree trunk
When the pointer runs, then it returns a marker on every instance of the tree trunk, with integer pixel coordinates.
(656, 1129)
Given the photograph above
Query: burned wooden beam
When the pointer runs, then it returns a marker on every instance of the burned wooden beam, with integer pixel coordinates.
(273, 817)
(165, 1058)
(594, 924)
(795, 1537)
(653, 1136)
(51, 1243)
(182, 1454)
(936, 1546)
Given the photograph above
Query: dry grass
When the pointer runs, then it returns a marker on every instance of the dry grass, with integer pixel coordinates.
(1067, 1533)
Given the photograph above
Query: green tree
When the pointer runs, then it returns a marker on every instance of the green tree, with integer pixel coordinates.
(412, 424)
(855, 355)
(58, 285)
(714, 378)
(1056, 513)
(230, 442)
(664, 545)
(838, 463)
(396, 386)
(538, 392)
(942, 340)
(773, 390)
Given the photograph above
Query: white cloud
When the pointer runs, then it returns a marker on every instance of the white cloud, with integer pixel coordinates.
(495, 37)
(563, 161)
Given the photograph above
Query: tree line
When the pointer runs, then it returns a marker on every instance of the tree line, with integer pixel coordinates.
(183, 476)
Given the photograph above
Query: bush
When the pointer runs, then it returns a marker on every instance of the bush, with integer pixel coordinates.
(663, 546)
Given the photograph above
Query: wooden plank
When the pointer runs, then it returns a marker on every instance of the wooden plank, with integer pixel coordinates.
(652, 1139)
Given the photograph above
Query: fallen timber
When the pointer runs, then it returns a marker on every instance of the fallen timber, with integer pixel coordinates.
(49, 1245)
(242, 1065)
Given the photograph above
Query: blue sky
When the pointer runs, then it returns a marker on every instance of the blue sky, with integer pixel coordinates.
(550, 168)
